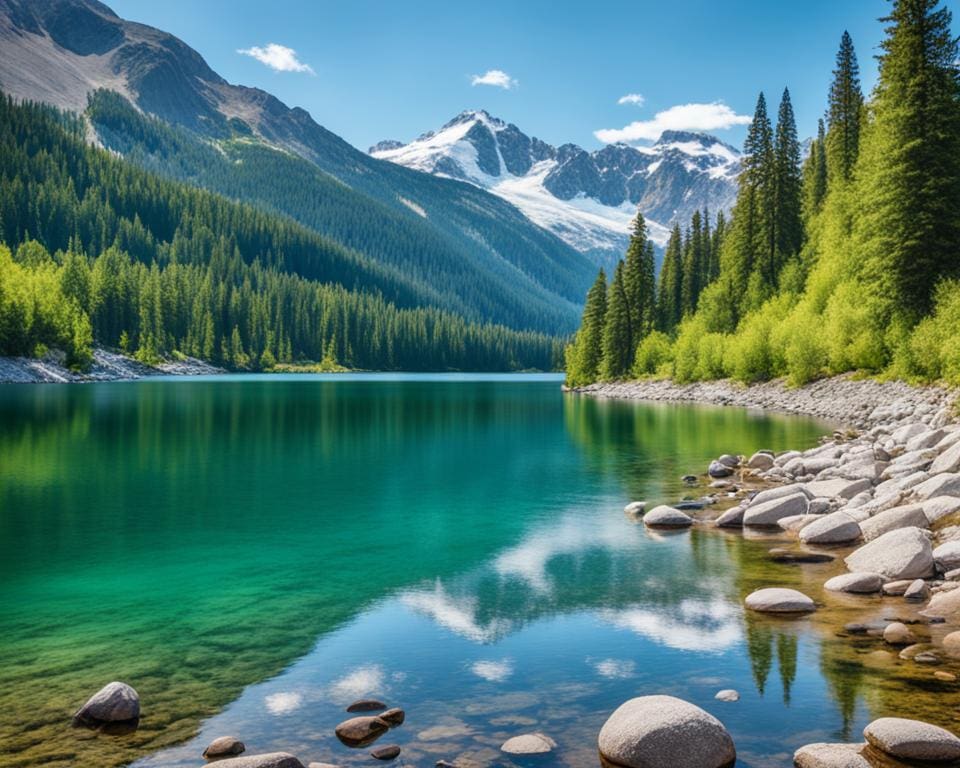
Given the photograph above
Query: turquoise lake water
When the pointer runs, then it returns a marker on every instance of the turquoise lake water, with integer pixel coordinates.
(254, 552)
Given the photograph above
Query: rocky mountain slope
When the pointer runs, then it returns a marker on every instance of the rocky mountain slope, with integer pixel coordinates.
(586, 198)
(499, 265)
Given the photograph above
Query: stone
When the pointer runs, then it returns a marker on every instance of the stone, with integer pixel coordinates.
(635, 507)
(821, 505)
(729, 460)
(947, 677)
(114, 703)
(926, 657)
(366, 705)
(779, 600)
(904, 553)
(267, 760)
(393, 717)
(917, 591)
(912, 740)
(947, 556)
(897, 588)
(728, 695)
(903, 434)
(760, 460)
(528, 744)
(835, 528)
(790, 556)
(732, 518)
(939, 507)
(909, 516)
(948, 461)
(665, 731)
(857, 583)
(361, 731)
(943, 605)
(837, 488)
(769, 513)
(780, 492)
(224, 746)
(667, 517)
(897, 633)
(926, 439)
(386, 752)
(718, 469)
(796, 522)
(689, 479)
(831, 756)
(944, 484)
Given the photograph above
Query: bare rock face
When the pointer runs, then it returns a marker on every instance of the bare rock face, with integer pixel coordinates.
(779, 600)
(114, 703)
(904, 553)
(665, 731)
(912, 740)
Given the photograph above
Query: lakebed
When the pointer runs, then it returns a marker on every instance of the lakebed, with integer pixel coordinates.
(253, 552)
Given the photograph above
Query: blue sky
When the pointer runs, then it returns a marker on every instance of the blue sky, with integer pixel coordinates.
(376, 70)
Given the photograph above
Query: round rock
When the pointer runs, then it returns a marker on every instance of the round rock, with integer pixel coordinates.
(835, 528)
(898, 633)
(665, 731)
(393, 717)
(386, 752)
(779, 600)
(901, 554)
(728, 695)
(858, 583)
(667, 517)
(114, 703)
(361, 731)
(635, 507)
(719, 469)
(912, 740)
(224, 746)
(366, 705)
(831, 756)
(528, 744)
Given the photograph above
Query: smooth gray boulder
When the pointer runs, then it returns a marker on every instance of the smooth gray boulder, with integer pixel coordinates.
(926, 439)
(909, 516)
(797, 522)
(225, 746)
(897, 588)
(944, 484)
(780, 492)
(732, 518)
(267, 760)
(719, 469)
(939, 507)
(901, 554)
(903, 434)
(857, 583)
(635, 507)
(917, 591)
(837, 488)
(760, 460)
(728, 695)
(947, 556)
(529, 744)
(945, 605)
(114, 703)
(667, 517)
(729, 460)
(769, 513)
(835, 528)
(665, 731)
(831, 756)
(912, 740)
(779, 600)
(948, 461)
(898, 633)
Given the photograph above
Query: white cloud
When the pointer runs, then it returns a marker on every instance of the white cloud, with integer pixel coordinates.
(614, 669)
(682, 117)
(493, 671)
(278, 57)
(495, 77)
(283, 702)
(632, 98)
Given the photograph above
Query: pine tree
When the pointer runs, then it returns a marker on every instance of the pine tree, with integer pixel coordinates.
(649, 296)
(586, 352)
(692, 265)
(815, 174)
(669, 296)
(843, 113)
(617, 352)
(787, 181)
(635, 280)
(908, 224)
(716, 245)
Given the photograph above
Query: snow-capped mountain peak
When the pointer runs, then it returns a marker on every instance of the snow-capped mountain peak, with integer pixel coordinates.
(586, 198)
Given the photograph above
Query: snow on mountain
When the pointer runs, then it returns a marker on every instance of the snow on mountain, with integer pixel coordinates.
(586, 198)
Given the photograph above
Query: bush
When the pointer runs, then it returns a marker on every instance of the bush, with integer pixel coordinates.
(653, 353)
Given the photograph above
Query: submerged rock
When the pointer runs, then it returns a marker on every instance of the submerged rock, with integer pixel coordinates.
(779, 600)
(786, 555)
(912, 740)
(528, 744)
(361, 731)
(728, 695)
(225, 746)
(267, 760)
(897, 633)
(665, 731)
(386, 752)
(366, 705)
(114, 703)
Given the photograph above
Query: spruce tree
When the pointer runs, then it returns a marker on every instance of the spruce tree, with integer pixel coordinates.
(635, 280)
(669, 289)
(908, 224)
(692, 265)
(649, 296)
(617, 352)
(787, 186)
(843, 113)
(583, 363)
(815, 174)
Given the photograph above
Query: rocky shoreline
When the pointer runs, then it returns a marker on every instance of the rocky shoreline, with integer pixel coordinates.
(106, 366)
(850, 401)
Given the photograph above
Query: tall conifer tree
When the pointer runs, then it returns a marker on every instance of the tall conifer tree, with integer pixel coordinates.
(669, 289)
(787, 185)
(617, 352)
(843, 112)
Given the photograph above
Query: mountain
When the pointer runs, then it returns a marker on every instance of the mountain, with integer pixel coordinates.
(586, 198)
(478, 254)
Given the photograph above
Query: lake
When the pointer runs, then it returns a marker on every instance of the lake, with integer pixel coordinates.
(252, 553)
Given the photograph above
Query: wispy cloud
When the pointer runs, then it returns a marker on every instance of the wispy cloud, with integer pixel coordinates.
(716, 116)
(278, 57)
(283, 702)
(632, 98)
(493, 671)
(495, 77)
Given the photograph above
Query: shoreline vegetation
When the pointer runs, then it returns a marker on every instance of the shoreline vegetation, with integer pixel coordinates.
(846, 261)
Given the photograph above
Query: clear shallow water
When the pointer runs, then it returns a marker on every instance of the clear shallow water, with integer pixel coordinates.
(252, 553)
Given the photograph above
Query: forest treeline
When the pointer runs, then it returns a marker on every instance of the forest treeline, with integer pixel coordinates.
(847, 261)
(99, 251)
